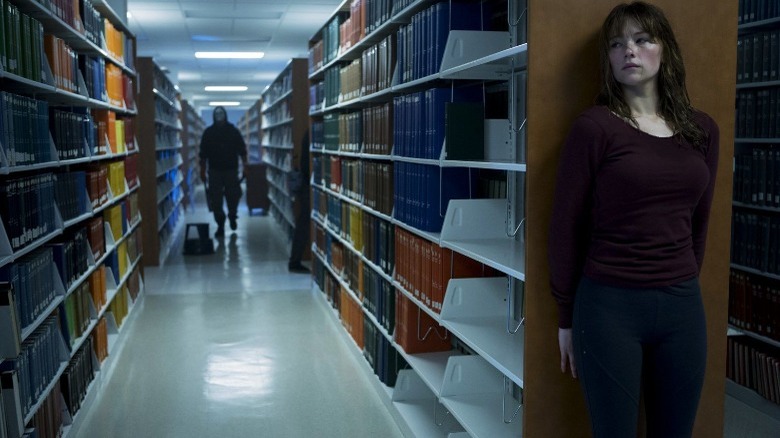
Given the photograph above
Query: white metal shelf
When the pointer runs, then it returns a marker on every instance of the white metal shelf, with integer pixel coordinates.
(740, 331)
(277, 124)
(477, 228)
(755, 271)
(756, 207)
(279, 100)
(764, 84)
(753, 399)
(476, 311)
(474, 393)
(420, 408)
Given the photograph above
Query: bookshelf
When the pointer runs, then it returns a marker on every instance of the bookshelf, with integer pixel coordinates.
(283, 123)
(474, 271)
(755, 274)
(250, 127)
(161, 161)
(192, 131)
(70, 239)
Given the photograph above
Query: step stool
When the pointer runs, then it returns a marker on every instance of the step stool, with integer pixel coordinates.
(200, 245)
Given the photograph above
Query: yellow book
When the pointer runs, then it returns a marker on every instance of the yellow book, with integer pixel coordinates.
(120, 136)
(121, 254)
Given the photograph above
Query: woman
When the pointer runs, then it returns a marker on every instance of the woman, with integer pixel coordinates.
(629, 225)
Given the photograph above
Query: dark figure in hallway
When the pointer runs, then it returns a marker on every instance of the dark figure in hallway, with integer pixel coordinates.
(300, 187)
(220, 148)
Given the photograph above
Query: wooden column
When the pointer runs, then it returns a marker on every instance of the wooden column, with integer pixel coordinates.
(562, 82)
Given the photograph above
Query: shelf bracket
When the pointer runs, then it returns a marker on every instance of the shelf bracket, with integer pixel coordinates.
(430, 329)
(503, 406)
(520, 18)
(436, 412)
(509, 294)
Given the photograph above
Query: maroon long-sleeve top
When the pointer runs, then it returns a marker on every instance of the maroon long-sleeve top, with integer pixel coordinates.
(630, 209)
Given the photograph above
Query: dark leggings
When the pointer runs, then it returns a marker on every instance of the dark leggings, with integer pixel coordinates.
(223, 184)
(649, 338)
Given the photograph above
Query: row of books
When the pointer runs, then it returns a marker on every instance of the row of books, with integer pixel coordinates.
(757, 10)
(74, 133)
(119, 87)
(755, 238)
(378, 296)
(120, 306)
(350, 131)
(757, 176)
(116, 177)
(332, 86)
(27, 207)
(38, 362)
(113, 133)
(24, 129)
(381, 355)
(364, 181)
(281, 136)
(71, 194)
(420, 119)
(758, 113)
(352, 317)
(32, 284)
(64, 63)
(330, 39)
(424, 268)
(377, 130)
(755, 365)
(279, 113)
(422, 192)
(754, 304)
(353, 29)
(166, 137)
(77, 377)
(92, 20)
(329, 139)
(22, 52)
(97, 185)
(316, 96)
(163, 85)
(116, 41)
(415, 330)
(75, 314)
(350, 80)
(758, 56)
(96, 237)
(71, 255)
(378, 65)
(48, 420)
(94, 70)
(100, 340)
(420, 44)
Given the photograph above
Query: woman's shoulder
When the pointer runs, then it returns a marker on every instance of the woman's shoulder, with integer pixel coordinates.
(705, 121)
(596, 118)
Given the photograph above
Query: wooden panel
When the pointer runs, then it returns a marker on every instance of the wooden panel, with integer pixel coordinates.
(563, 81)
(147, 159)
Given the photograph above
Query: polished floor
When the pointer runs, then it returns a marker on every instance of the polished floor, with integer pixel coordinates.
(232, 345)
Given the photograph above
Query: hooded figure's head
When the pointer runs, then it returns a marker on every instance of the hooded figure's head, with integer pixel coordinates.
(220, 115)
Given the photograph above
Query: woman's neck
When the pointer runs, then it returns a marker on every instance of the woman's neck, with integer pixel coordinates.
(642, 100)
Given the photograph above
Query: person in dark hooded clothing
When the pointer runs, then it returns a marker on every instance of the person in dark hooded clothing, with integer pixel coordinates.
(220, 148)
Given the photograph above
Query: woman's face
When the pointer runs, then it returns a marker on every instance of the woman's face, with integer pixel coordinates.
(634, 56)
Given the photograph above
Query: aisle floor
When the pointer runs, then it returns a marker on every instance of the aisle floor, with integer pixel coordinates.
(232, 345)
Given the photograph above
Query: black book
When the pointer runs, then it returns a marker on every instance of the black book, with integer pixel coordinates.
(766, 57)
(757, 57)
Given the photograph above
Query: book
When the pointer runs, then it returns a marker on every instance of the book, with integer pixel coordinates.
(10, 325)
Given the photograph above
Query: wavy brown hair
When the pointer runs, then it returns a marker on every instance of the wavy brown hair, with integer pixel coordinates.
(674, 103)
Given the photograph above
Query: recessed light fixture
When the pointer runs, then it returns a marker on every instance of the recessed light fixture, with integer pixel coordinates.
(226, 88)
(224, 103)
(229, 55)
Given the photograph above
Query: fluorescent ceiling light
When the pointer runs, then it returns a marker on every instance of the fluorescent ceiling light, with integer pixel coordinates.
(229, 55)
(224, 103)
(129, 15)
(226, 88)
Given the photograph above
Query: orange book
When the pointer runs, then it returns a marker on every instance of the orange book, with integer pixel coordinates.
(436, 275)
(425, 278)
(51, 47)
(422, 333)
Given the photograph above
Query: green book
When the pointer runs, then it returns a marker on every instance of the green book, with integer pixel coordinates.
(25, 47)
(9, 37)
(465, 131)
(3, 38)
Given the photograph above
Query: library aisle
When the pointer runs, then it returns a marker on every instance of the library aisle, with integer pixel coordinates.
(232, 345)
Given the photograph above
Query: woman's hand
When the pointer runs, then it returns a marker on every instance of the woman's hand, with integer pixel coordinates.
(567, 351)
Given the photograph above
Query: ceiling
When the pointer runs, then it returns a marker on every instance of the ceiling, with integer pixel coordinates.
(171, 31)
